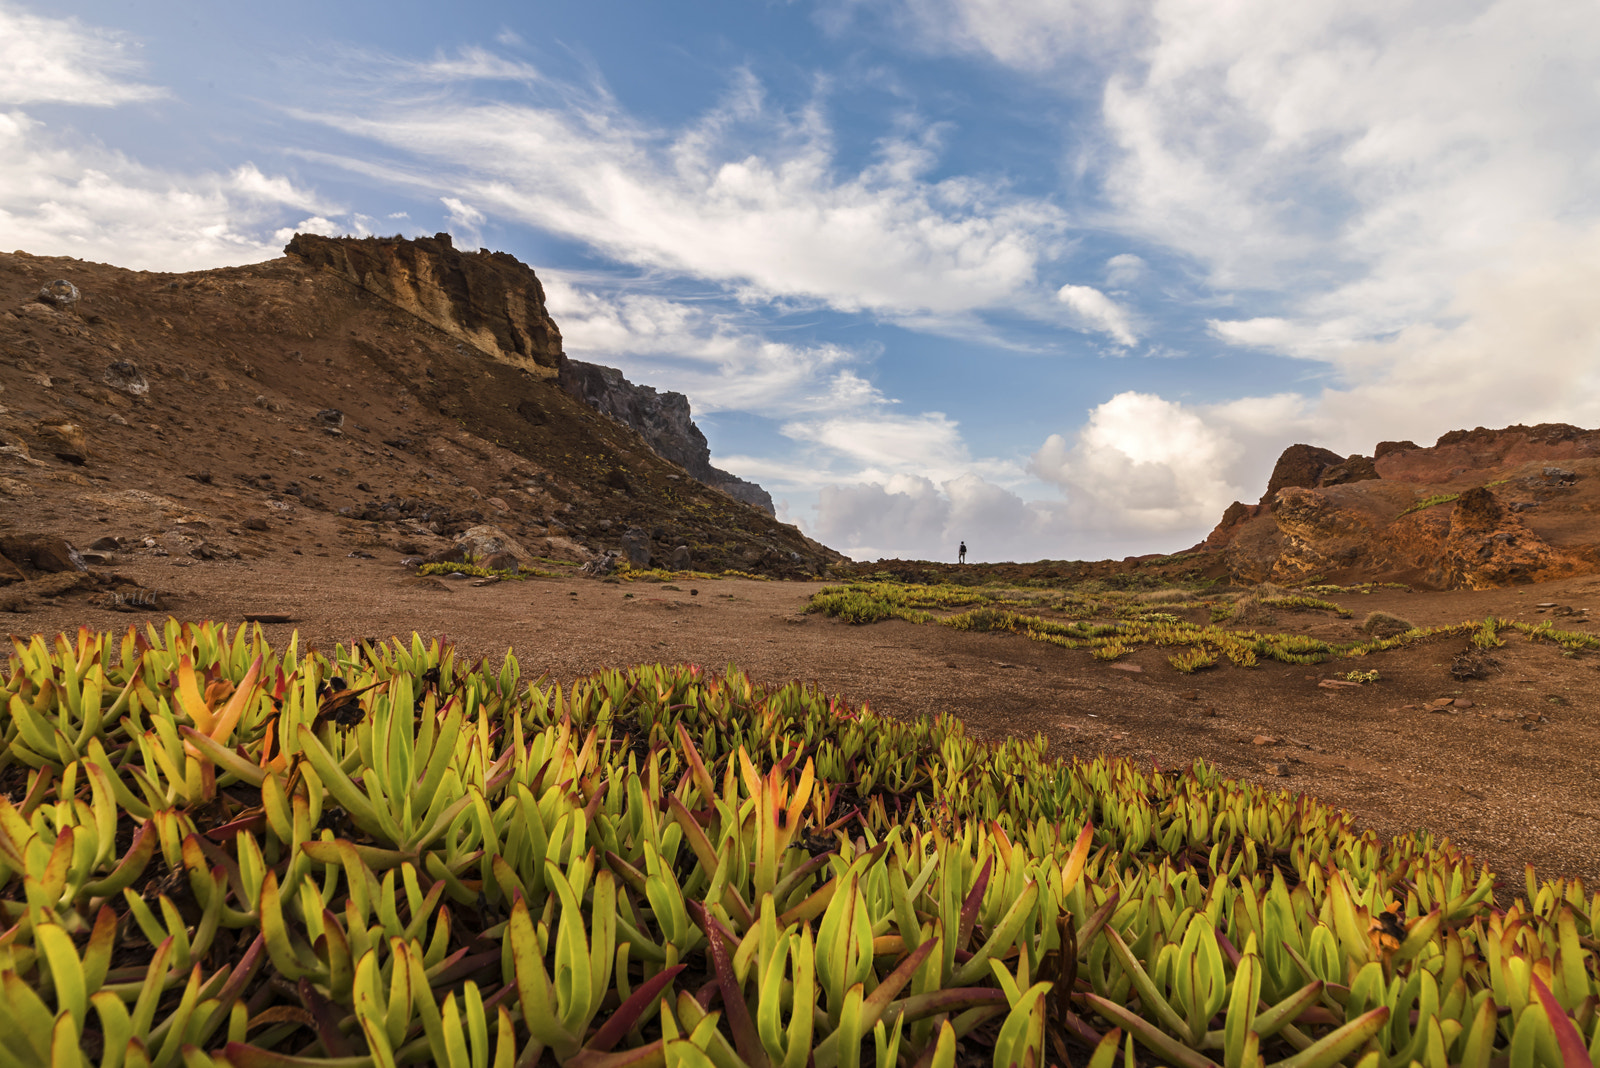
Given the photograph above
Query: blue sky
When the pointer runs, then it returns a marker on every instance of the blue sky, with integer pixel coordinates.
(1057, 278)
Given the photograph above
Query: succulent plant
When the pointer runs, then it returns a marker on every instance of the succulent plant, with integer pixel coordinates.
(220, 856)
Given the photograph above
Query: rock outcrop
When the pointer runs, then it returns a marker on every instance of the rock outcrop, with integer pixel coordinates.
(494, 302)
(662, 419)
(489, 300)
(1480, 508)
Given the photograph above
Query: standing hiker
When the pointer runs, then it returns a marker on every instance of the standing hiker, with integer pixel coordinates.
(961, 554)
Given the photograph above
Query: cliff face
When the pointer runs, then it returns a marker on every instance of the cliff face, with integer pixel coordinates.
(490, 300)
(494, 302)
(662, 419)
(1480, 508)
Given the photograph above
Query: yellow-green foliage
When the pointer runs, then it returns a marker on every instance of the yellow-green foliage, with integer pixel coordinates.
(1195, 659)
(1298, 603)
(213, 860)
(483, 572)
(1431, 500)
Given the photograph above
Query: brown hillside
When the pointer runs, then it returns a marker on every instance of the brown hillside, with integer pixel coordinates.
(1480, 509)
(374, 396)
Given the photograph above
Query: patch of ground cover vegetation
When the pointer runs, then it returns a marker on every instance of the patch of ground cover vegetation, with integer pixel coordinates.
(1142, 623)
(217, 853)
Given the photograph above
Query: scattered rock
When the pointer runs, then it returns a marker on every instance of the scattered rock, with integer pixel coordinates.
(1263, 739)
(266, 403)
(331, 418)
(255, 522)
(125, 375)
(1133, 668)
(59, 294)
(1462, 702)
(106, 544)
(1473, 664)
(1280, 770)
(65, 440)
(1337, 684)
(680, 560)
(503, 561)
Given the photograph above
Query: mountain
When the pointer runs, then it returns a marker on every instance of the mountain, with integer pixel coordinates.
(1478, 509)
(354, 394)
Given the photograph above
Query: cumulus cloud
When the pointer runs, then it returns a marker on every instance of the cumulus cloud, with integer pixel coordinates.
(1142, 462)
(1098, 312)
(748, 195)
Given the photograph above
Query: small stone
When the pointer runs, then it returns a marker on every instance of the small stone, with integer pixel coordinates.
(498, 504)
(107, 544)
(331, 418)
(680, 558)
(1446, 702)
(1336, 684)
(1462, 702)
(1133, 668)
(1263, 739)
(1189, 695)
(1281, 770)
(255, 522)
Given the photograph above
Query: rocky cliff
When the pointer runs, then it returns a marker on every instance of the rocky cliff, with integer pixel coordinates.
(288, 408)
(1478, 509)
(493, 302)
(662, 419)
(489, 300)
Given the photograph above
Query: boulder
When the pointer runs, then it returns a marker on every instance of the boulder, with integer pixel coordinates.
(486, 540)
(64, 439)
(1354, 469)
(59, 294)
(41, 552)
(636, 547)
(680, 560)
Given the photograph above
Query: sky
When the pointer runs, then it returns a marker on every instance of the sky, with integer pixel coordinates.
(1058, 278)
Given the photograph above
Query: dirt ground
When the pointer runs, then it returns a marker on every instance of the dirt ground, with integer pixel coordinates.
(1511, 777)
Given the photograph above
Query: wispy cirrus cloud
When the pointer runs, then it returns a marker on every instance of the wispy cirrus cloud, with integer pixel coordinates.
(749, 195)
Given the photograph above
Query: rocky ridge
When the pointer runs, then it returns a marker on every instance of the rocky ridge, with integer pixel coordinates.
(494, 303)
(287, 408)
(663, 420)
(1479, 509)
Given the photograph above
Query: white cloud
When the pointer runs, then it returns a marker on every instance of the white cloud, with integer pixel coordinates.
(748, 196)
(60, 61)
(62, 195)
(1142, 463)
(1124, 269)
(718, 359)
(466, 222)
(1098, 312)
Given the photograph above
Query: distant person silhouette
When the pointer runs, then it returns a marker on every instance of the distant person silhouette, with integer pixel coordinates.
(961, 554)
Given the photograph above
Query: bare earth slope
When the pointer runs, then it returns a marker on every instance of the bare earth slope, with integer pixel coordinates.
(283, 407)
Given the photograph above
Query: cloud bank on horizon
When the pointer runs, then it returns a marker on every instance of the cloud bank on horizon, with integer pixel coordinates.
(1060, 280)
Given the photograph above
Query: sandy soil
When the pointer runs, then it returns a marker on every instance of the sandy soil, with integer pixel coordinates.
(1512, 778)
